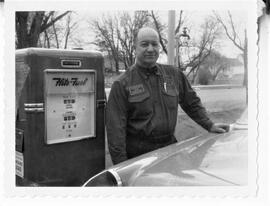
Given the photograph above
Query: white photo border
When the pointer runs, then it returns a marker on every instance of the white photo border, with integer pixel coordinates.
(10, 188)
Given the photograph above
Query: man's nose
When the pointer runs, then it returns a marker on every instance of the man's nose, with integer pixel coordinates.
(150, 47)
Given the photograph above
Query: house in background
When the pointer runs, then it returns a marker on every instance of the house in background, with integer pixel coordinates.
(235, 72)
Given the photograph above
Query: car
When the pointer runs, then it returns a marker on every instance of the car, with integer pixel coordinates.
(208, 160)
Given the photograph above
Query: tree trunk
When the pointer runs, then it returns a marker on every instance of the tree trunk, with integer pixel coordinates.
(131, 58)
(28, 38)
(35, 29)
(21, 29)
(56, 37)
(67, 32)
(66, 38)
(116, 66)
(245, 81)
(126, 65)
(28, 30)
(195, 71)
(47, 39)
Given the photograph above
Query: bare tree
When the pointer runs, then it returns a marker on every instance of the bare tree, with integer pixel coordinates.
(160, 27)
(216, 63)
(115, 35)
(202, 48)
(55, 33)
(126, 32)
(60, 33)
(29, 26)
(48, 37)
(181, 21)
(46, 40)
(71, 26)
(106, 36)
(68, 29)
(199, 49)
(233, 35)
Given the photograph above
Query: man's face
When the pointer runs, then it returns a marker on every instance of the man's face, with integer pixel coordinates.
(147, 48)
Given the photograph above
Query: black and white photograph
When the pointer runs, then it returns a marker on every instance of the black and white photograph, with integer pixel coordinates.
(153, 98)
(174, 90)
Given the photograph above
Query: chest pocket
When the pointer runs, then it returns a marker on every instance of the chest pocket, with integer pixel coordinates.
(170, 93)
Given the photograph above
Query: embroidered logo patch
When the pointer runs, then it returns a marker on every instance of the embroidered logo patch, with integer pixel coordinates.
(136, 89)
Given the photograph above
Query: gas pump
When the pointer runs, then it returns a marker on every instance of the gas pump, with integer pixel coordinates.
(60, 100)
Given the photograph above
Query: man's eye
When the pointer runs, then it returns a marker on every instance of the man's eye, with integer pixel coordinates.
(152, 44)
(144, 45)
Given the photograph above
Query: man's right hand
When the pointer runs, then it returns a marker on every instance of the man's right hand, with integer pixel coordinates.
(220, 128)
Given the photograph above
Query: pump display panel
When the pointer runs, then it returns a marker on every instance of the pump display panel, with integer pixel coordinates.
(69, 105)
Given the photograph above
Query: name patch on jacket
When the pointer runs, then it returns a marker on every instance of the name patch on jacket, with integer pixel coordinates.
(136, 89)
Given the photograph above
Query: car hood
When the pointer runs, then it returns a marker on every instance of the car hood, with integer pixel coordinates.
(216, 160)
(210, 160)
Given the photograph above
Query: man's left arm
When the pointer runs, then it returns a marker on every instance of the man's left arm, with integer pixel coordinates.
(191, 104)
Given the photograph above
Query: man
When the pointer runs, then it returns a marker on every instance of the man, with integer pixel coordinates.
(142, 107)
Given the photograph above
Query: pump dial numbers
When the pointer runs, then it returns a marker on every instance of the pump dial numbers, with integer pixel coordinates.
(69, 126)
(69, 118)
(69, 101)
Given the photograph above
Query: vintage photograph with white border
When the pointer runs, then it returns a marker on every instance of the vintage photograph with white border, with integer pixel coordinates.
(198, 21)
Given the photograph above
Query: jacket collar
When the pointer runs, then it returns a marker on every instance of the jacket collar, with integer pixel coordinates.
(146, 72)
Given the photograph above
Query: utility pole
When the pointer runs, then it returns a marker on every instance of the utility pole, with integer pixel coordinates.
(171, 36)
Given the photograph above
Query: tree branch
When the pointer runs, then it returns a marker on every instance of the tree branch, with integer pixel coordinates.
(180, 22)
(159, 32)
(227, 32)
(47, 25)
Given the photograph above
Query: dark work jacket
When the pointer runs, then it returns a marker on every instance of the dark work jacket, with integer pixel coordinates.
(142, 110)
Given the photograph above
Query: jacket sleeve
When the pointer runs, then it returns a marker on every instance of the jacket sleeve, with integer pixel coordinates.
(116, 118)
(191, 103)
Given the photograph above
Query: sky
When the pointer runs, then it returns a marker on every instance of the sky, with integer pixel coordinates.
(193, 23)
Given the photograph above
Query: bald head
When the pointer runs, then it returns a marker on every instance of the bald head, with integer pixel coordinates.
(147, 47)
(146, 31)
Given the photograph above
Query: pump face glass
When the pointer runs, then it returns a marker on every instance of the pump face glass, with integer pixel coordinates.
(69, 105)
